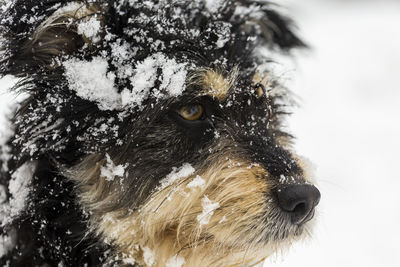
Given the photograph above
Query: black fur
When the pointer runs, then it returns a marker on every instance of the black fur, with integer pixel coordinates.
(53, 227)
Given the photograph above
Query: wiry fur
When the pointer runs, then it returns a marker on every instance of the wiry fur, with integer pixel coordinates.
(78, 217)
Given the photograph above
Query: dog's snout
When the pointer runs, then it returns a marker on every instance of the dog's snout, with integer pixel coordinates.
(299, 201)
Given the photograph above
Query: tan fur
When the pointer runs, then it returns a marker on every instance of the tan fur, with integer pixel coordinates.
(169, 227)
(308, 169)
(95, 192)
(168, 223)
(214, 83)
(262, 79)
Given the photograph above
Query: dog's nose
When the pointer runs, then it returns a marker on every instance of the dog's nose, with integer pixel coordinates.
(299, 201)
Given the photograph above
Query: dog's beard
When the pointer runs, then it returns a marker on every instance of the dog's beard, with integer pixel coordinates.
(221, 214)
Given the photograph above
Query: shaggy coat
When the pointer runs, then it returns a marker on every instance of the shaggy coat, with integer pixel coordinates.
(159, 170)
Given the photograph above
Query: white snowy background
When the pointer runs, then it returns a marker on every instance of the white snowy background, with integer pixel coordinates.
(348, 125)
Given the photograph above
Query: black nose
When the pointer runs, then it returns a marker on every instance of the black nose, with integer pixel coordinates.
(299, 201)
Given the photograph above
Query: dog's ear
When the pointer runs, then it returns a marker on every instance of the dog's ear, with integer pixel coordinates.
(279, 30)
(262, 18)
(47, 36)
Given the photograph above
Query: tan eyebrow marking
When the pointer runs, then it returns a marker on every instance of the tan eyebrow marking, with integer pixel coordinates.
(260, 79)
(214, 83)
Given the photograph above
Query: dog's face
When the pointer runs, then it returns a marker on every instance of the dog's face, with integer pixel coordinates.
(201, 177)
(186, 160)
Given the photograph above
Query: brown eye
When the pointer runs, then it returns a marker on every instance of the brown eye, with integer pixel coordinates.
(191, 112)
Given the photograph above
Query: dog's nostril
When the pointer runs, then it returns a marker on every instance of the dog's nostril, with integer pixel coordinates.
(299, 201)
(300, 208)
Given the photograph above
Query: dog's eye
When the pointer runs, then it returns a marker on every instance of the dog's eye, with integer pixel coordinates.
(191, 112)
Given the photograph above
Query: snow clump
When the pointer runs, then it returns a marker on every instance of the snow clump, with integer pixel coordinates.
(175, 261)
(176, 174)
(90, 29)
(19, 190)
(19, 187)
(213, 5)
(172, 79)
(148, 256)
(208, 210)
(110, 171)
(92, 81)
(7, 242)
(196, 182)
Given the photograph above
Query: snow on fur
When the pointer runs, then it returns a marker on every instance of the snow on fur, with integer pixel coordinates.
(213, 5)
(19, 187)
(90, 28)
(176, 174)
(19, 191)
(175, 261)
(92, 81)
(110, 170)
(172, 80)
(7, 242)
(208, 211)
(148, 256)
(4, 5)
(196, 182)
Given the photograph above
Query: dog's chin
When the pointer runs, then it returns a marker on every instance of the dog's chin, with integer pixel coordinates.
(272, 244)
(279, 237)
(274, 236)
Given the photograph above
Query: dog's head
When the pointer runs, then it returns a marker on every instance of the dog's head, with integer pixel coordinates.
(167, 117)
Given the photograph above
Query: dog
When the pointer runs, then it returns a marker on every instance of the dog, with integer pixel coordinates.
(151, 134)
